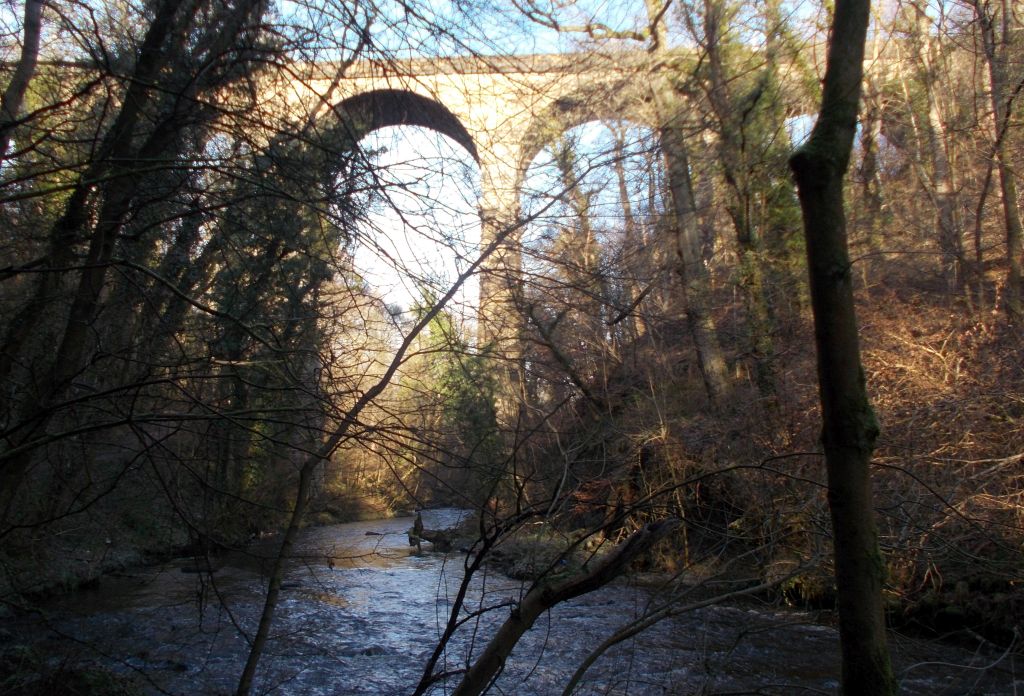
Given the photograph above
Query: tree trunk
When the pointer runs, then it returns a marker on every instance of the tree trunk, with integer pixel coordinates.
(870, 177)
(117, 147)
(14, 95)
(737, 159)
(849, 426)
(690, 265)
(691, 269)
(943, 186)
(631, 245)
(996, 59)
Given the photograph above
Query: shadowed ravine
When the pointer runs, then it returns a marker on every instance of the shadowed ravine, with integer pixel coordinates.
(360, 615)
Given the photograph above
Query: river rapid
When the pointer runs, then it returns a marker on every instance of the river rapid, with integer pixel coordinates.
(361, 612)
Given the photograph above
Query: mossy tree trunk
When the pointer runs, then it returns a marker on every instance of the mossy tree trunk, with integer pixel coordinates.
(849, 426)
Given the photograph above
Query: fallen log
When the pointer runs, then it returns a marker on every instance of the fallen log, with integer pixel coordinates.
(545, 595)
(441, 539)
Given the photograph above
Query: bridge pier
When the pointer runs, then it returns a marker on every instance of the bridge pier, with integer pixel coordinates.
(499, 315)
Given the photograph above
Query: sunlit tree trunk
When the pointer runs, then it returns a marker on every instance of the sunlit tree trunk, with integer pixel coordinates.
(996, 46)
(690, 266)
(736, 158)
(849, 427)
(686, 230)
(632, 244)
(870, 178)
(942, 184)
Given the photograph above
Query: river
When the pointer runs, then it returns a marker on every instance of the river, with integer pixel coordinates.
(360, 614)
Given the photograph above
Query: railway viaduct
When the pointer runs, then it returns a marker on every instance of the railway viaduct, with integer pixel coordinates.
(501, 110)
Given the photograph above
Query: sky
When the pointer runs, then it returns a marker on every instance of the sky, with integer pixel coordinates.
(424, 230)
(490, 27)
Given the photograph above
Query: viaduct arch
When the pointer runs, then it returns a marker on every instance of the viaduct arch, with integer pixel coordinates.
(501, 110)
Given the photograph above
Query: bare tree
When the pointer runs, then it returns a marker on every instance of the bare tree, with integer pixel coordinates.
(996, 21)
(849, 426)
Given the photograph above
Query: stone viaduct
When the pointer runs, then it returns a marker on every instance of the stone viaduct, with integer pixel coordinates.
(502, 110)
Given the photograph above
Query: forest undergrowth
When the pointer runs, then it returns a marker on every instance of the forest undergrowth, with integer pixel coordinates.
(947, 387)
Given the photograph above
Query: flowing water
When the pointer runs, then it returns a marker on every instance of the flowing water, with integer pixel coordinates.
(360, 614)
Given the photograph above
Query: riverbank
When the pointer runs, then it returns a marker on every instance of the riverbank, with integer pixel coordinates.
(38, 565)
(981, 615)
